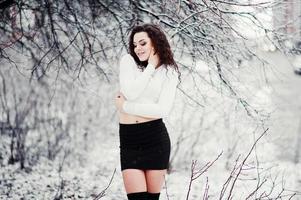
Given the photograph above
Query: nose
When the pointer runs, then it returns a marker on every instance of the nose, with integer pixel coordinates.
(138, 47)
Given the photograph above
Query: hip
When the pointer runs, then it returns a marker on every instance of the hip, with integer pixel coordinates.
(147, 134)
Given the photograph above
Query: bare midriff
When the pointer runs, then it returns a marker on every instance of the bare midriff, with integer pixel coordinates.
(125, 118)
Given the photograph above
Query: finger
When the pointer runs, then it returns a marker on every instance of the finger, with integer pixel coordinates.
(152, 51)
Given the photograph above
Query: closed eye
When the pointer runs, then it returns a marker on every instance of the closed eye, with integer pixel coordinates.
(142, 44)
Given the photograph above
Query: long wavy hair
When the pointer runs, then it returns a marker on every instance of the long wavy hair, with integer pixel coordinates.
(160, 44)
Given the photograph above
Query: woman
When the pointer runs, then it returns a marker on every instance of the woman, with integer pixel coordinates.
(148, 80)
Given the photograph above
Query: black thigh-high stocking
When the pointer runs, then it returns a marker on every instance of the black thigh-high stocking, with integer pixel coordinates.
(137, 196)
(153, 196)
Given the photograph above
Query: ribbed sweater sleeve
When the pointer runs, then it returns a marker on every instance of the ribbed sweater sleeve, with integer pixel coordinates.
(130, 86)
(162, 107)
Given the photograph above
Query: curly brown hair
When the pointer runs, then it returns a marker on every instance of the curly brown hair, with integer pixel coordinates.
(160, 44)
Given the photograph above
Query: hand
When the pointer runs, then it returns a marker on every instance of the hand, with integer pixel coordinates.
(154, 58)
(119, 100)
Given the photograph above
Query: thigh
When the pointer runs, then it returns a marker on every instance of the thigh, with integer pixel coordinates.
(134, 180)
(154, 180)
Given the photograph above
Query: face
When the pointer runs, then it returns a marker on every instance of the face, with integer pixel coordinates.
(142, 46)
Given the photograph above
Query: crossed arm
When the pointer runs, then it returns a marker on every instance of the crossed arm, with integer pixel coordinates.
(131, 88)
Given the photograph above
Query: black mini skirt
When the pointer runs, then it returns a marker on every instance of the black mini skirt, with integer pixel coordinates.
(144, 145)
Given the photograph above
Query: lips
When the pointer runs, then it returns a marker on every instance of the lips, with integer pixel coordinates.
(140, 54)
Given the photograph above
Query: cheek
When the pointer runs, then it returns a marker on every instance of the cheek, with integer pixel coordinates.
(136, 50)
(148, 48)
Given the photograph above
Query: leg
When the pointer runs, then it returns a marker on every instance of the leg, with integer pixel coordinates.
(154, 182)
(134, 180)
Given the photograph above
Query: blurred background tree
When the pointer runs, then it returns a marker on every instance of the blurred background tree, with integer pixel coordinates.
(59, 72)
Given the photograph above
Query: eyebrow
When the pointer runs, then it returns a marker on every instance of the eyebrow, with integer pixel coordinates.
(139, 41)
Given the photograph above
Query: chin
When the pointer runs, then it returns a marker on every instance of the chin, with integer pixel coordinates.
(143, 59)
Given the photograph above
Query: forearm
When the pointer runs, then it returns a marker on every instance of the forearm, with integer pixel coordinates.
(133, 88)
(130, 85)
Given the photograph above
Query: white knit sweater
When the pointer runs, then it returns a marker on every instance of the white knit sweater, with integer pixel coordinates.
(148, 93)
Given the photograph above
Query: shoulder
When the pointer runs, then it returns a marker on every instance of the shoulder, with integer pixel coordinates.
(171, 73)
